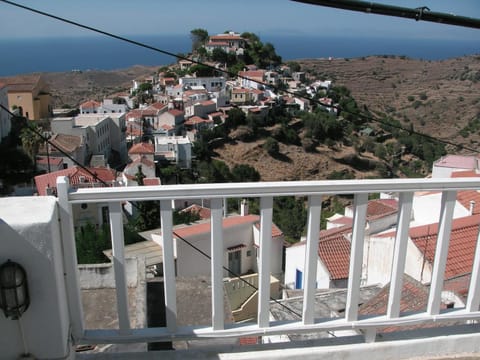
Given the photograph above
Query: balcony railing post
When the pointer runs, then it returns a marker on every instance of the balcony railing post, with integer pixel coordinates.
(118, 257)
(356, 256)
(266, 205)
(311, 258)
(441, 251)
(399, 254)
(217, 264)
(169, 284)
(473, 301)
(70, 259)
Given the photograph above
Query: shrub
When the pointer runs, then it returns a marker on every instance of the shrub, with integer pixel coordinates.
(410, 98)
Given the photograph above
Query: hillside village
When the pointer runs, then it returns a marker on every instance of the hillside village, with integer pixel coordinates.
(164, 130)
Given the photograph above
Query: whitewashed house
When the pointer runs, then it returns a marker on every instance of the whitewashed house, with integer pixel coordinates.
(174, 149)
(240, 247)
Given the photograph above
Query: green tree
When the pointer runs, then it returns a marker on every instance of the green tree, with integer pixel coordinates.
(199, 37)
(31, 141)
(91, 242)
(271, 146)
(290, 215)
(245, 173)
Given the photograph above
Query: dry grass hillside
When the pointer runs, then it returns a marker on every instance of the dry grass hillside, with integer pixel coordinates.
(438, 98)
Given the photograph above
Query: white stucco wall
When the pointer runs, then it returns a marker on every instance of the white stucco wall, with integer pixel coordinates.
(31, 236)
(100, 276)
(295, 259)
(426, 209)
(190, 262)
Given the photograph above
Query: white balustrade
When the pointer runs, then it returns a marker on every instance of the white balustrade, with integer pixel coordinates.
(266, 192)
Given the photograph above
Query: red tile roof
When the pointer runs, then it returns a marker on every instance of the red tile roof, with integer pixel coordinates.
(276, 232)
(176, 112)
(90, 104)
(226, 37)
(334, 251)
(76, 175)
(207, 103)
(252, 74)
(229, 222)
(142, 148)
(204, 228)
(52, 160)
(457, 161)
(464, 173)
(414, 298)
(463, 240)
(377, 209)
(158, 106)
(197, 120)
(203, 212)
(151, 181)
(466, 196)
(66, 143)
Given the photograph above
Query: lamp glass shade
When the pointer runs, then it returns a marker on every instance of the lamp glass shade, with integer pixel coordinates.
(14, 297)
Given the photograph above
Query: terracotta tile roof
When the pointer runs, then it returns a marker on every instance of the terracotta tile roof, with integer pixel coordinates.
(77, 176)
(463, 240)
(229, 222)
(139, 114)
(334, 251)
(464, 173)
(344, 220)
(226, 37)
(22, 83)
(377, 209)
(217, 43)
(457, 161)
(142, 148)
(240, 91)
(252, 74)
(465, 197)
(53, 160)
(207, 103)
(90, 104)
(176, 112)
(66, 143)
(158, 106)
(276, 232)
(414, 298)
(197, 120)
(141, 160)
(204, 228)
(203, 212)
(151, 181)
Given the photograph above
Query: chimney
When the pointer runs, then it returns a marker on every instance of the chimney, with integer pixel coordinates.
(244, 208)
(472, 206)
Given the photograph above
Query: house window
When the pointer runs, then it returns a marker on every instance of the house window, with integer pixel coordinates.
(249, 253)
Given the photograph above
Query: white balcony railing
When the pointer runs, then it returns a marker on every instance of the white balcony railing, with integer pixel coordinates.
(266, 192)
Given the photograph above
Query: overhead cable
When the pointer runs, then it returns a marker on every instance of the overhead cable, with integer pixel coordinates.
(422, 13)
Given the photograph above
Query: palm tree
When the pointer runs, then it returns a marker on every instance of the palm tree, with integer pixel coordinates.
(31, 140)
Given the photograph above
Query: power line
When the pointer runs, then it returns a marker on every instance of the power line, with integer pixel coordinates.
(421, 13)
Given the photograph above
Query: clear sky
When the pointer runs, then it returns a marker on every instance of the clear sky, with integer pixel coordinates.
(164, 17)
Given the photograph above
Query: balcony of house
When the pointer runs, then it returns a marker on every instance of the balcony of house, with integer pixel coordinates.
(134, 306)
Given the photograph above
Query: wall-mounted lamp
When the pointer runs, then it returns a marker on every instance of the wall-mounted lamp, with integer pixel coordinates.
(14, 297)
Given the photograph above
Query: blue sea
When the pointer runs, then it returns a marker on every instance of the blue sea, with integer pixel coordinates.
(22, 56)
